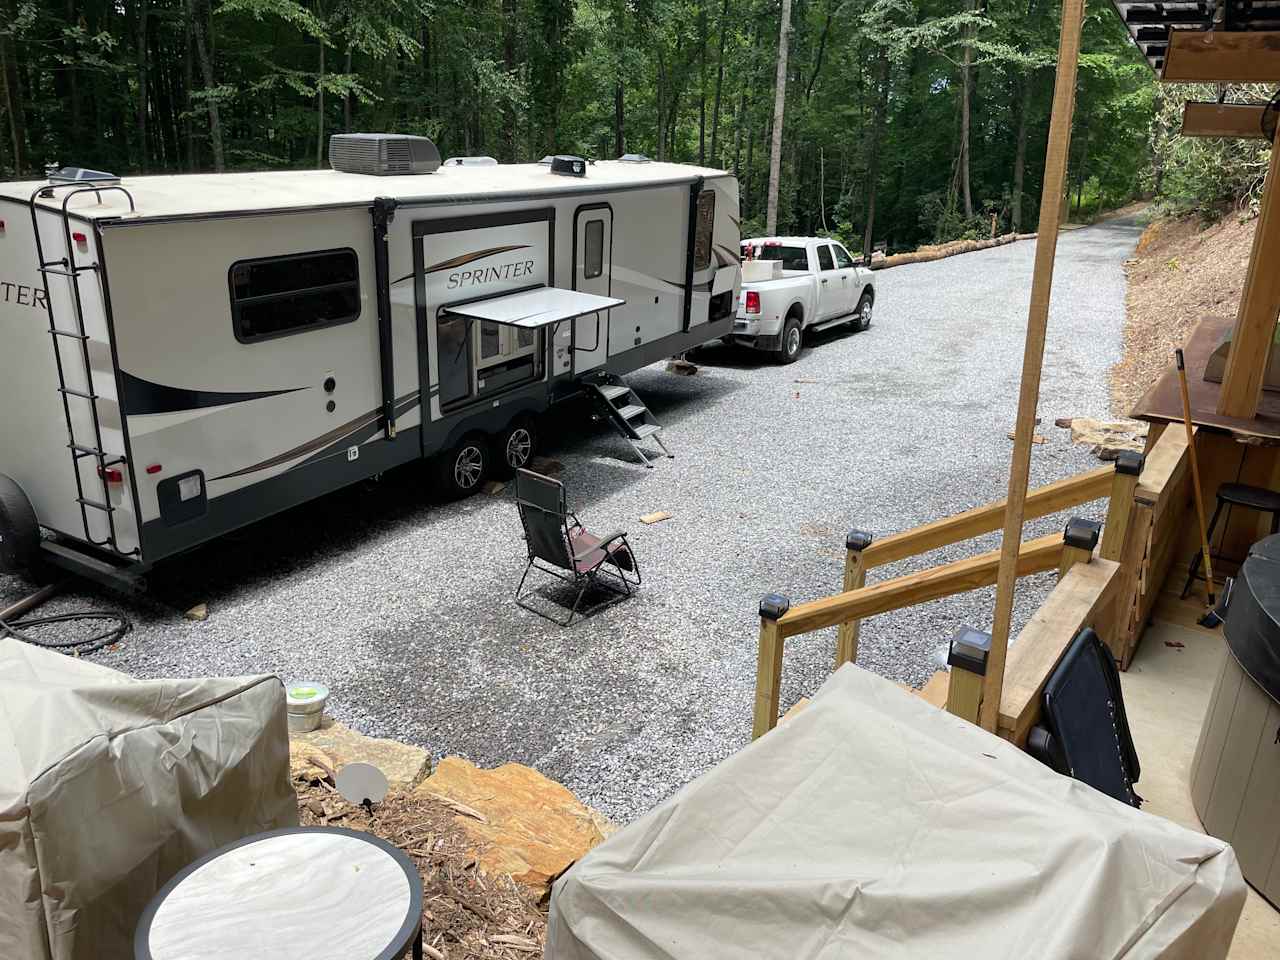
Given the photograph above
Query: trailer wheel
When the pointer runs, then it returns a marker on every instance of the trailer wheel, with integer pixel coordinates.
(465, 467)
(792, 339)
(19, 530)
(514, 447)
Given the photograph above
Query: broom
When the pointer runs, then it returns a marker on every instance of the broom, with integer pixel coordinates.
(1211, 617)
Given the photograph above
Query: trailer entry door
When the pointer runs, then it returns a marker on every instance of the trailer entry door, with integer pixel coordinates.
(592, 273)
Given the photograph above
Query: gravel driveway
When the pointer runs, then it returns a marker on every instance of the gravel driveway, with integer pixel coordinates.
(404, 607)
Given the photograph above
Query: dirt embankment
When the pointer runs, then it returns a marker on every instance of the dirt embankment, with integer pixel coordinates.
(1180, 273)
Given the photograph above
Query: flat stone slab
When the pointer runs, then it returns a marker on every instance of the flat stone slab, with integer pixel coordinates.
(402, 764)
(524, 824)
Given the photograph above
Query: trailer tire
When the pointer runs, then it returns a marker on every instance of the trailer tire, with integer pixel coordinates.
(790, 342)
(19, 529)
(514, 447)
(464, 468)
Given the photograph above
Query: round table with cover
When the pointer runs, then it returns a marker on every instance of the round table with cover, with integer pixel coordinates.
(324, 893)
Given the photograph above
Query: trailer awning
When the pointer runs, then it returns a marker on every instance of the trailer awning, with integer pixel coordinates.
(530, 309)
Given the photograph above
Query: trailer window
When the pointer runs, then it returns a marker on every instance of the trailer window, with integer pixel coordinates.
(706, 222)
(593, 255)
(276, 296)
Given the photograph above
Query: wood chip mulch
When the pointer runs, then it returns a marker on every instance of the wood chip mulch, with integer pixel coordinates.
(465, 914)
(1180, 273)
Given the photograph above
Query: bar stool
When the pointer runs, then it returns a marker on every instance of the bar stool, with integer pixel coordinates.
(1236, 495)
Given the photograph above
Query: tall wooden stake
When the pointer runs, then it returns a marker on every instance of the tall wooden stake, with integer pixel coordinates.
(1055, 174)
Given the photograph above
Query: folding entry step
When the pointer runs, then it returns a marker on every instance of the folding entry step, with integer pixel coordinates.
(628, 414)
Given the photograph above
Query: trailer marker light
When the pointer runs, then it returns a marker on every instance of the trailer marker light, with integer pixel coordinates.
(1, 228)
(753, 301)
(82, 242)
(111, 474)
(154, 468)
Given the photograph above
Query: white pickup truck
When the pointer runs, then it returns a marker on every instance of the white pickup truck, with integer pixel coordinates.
(794, 284)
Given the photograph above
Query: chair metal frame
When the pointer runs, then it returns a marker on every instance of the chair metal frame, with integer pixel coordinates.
(559, 558)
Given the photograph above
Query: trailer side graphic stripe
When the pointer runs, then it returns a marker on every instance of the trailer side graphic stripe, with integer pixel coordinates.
(325, 440)
(464, 259)
(143, 397)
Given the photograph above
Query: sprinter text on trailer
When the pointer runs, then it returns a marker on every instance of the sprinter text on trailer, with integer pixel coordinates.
(184, 355)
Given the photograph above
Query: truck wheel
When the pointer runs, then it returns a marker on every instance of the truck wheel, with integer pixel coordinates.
(862, 315)
(792, 338)
(465, 467)
(19, 531)
(514, 447)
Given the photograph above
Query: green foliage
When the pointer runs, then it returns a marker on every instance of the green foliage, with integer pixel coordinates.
(1201, 175)
(873, 95)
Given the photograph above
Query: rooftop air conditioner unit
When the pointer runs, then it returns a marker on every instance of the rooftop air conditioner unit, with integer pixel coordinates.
(382, 154)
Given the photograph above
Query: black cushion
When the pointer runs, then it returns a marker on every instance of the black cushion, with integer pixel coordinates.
(1255, 498)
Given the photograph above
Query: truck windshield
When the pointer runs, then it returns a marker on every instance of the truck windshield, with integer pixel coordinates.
(793, 258)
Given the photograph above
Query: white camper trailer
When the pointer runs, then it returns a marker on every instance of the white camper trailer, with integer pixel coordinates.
(183, 355)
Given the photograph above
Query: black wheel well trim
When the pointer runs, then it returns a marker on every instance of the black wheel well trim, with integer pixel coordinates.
(797, 310)
(868, 290)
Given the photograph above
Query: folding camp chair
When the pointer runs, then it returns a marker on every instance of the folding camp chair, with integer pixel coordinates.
(561, 546)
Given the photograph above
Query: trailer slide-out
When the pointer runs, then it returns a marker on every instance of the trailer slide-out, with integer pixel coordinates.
(184, 355)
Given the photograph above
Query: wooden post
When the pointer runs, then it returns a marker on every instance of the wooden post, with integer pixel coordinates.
(1078, 540)
(1055, 171)
(769, 664)
(855, 577)
(968, 657)
(1255, 328)
(1120, 506)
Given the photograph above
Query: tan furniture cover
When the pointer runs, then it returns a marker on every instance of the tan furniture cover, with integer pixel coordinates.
(110, 785)
(873, 825)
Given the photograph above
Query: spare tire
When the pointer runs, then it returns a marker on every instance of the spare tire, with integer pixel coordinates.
(19, 531)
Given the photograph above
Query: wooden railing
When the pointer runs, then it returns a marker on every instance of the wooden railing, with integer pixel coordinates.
(1079, 600)
(863, 552)
(1146, 550)
(779, 620)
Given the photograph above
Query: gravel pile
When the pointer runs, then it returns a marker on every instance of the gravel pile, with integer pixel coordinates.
(404, 606)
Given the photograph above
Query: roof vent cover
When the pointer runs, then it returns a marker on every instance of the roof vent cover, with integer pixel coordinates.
(382, 154)
(567, 166)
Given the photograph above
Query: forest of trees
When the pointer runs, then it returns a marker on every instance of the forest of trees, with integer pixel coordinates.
(908, 121)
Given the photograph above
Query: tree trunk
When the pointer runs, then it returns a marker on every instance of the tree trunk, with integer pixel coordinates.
(817, 64)
(142, 65)
(873, 160)
(1020, 155)
(510, 121)
(320, 109)
(188, 84)
(715, 108)
(13, 99)
(348, 102)
(779, 106)
(206, 71)
(619, 107)
(702, 83)
(965, 98)
(660, 100)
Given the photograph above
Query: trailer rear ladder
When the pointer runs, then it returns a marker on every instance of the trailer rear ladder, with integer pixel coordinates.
(67, 268)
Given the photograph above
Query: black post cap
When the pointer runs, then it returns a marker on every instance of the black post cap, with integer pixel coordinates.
(969, 650)
(1082, 533)
(773, 606)
(858, 540)
(1129, 463)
